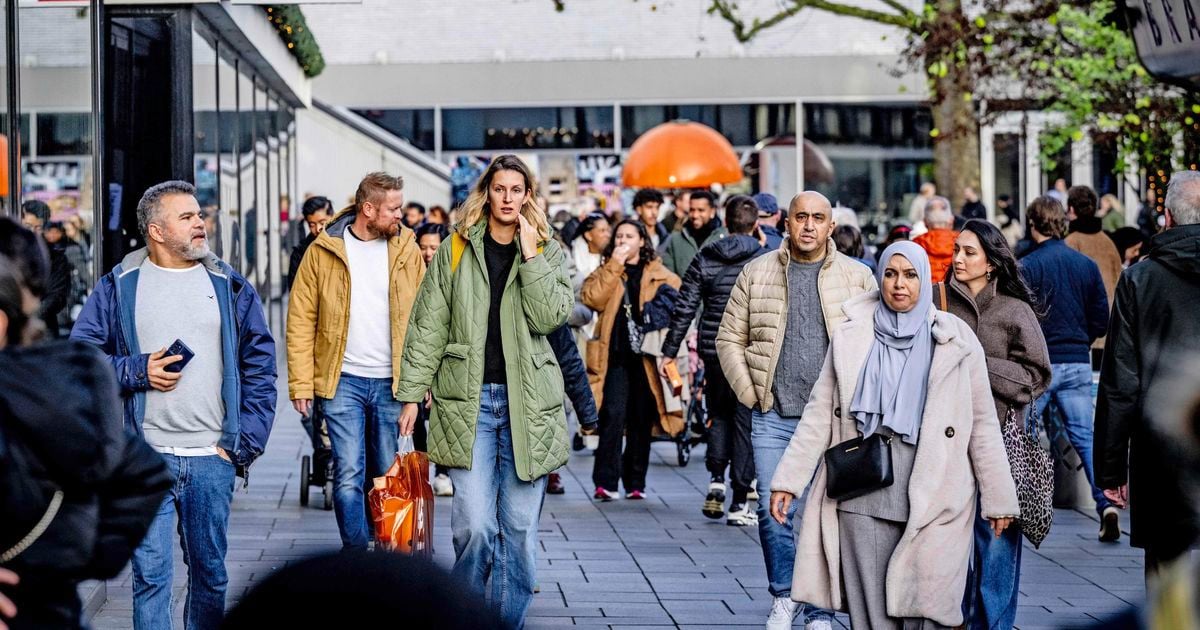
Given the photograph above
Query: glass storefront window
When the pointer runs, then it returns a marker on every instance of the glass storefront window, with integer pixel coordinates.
(56, 60)
(64, 134)
(527, 128)
(744, 125)
(414, 125)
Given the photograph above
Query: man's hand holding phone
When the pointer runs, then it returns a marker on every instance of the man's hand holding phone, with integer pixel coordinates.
(162, 379)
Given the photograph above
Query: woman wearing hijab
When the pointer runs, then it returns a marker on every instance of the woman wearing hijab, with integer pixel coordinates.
(918, 377)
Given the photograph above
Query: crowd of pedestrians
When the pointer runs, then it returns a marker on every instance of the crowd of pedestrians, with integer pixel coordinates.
(862, 400)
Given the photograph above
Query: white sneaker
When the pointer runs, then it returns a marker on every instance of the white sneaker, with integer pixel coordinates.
(783, 613)
(818, 624)
(442, 486)
(753, 494)
(740, 515)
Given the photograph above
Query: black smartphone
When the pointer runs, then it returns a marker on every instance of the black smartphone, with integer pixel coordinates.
(181, 349)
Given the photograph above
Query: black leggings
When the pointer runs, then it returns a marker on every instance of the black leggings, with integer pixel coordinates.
(628, 409)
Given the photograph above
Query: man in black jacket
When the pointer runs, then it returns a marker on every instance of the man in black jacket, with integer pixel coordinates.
(317, 211)
(710, 279)
(1154, 325)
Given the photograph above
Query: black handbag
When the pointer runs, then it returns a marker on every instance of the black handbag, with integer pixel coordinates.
(859, 466)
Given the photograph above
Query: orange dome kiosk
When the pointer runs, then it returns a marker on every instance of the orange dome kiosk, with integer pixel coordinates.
(681, 154)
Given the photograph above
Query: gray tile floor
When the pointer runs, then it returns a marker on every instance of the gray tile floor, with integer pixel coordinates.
(630, 564)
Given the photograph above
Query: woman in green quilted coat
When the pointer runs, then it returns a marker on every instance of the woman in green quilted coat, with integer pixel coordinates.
(477, 339)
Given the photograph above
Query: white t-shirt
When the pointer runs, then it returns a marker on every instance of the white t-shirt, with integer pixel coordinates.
(369, 337)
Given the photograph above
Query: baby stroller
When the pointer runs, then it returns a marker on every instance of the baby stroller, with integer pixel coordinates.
(317, 470)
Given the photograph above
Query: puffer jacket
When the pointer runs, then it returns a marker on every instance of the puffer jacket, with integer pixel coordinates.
(444, 350)
(709, 279)
(748, 341)
(319, 307)
(960, 456)
(61, 430)
(604, 292)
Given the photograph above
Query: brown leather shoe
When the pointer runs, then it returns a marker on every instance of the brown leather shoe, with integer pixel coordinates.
(554, 485)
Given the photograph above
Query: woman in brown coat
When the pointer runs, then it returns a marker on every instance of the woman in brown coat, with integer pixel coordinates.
(624, 381)
(987, 292)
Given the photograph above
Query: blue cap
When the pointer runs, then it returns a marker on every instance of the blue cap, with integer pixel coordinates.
(766, 203)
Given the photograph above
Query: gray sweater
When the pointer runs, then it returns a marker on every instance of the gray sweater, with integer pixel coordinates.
(805, 341)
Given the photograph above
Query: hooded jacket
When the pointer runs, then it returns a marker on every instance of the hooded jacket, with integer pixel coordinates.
(319, 307)
(248, 351)
(706, 286)
(61, 430)
(1153, 325)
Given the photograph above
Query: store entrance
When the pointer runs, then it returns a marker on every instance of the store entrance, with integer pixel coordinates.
(147, 117)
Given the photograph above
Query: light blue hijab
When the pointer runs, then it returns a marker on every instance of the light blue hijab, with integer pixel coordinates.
(895, 379)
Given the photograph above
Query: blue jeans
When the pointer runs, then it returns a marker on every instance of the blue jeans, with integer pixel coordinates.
(200, 498)
(494, 515)
(994, 581)
(1071, 392)
(362, 420)
(770, 434)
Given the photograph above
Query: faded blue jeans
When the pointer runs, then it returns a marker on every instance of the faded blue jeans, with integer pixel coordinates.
(494, 515)
(199, 499)
(995, 577)
(770, 434)
(1071, 392)
(362, 420)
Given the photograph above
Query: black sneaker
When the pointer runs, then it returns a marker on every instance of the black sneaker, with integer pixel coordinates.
(714, 503)
(1110, 525)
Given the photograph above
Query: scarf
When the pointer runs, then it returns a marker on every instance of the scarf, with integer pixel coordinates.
(894, 380)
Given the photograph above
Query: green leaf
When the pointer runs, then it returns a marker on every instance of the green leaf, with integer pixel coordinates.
(989, 39)
(1133, 119)
(980, 22)
(933, 133)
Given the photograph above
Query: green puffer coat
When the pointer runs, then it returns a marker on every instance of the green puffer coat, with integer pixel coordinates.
(444, 349)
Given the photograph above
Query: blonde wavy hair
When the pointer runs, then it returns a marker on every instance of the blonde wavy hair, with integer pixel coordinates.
(475, 208)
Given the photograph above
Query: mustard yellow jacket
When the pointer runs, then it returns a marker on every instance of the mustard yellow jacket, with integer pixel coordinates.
(319, 308)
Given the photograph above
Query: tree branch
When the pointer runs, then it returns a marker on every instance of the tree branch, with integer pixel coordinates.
(727, 9)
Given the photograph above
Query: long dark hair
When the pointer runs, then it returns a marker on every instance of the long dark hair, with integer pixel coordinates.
(645, 255)
(1004, 263)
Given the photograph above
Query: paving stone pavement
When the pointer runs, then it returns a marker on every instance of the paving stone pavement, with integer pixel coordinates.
(630, 564)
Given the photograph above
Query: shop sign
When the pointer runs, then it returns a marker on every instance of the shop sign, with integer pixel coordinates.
(1167, 34)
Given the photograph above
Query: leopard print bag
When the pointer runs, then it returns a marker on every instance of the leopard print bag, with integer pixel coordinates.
(1033, 472)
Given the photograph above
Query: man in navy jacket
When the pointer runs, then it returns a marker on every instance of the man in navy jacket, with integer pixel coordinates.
(1069, 286)
(207, 419)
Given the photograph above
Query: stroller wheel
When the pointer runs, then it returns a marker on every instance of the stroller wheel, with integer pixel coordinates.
(684, 449)
(305, 476)
(327, 490)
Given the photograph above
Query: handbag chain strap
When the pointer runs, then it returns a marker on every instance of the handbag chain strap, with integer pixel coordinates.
(40, 528)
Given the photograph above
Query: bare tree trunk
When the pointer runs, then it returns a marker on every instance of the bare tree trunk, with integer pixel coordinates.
(956, 147)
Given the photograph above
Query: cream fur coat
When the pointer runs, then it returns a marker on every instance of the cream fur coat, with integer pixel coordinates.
(959, 449)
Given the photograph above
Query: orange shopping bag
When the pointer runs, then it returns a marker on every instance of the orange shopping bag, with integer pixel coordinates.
(402, 504)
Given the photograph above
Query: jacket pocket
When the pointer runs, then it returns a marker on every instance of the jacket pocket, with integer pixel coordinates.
(454, 372)
(547, 382)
